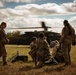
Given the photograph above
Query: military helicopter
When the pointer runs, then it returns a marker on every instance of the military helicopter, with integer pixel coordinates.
(25, 39)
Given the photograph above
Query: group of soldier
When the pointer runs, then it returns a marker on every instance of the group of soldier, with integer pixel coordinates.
(40, 52)
(61, 49)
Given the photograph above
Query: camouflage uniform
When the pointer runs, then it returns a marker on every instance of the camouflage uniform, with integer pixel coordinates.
(56, 52)
(43, 52)
(56, 46)
(66, 41)
(3, 40)
(33, 47)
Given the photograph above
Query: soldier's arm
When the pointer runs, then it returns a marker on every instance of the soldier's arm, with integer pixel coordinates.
(73, 35)
(64, 34)
(34, 49)
(1, 34)
(46, 45)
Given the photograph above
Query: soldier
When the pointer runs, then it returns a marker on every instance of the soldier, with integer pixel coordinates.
(33, 50)
(3, 40)
(56, 52)
(43, 52)
(55, 46)
(68, 35)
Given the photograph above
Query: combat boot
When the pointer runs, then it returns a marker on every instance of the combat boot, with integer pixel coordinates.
(39, 65)
(5, 63)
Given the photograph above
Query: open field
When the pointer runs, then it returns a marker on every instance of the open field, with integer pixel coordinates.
(27, 68)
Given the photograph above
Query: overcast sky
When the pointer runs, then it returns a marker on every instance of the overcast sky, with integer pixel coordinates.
(29, 13)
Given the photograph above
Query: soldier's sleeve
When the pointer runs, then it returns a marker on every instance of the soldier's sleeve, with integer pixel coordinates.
(46, 45)
(64, 34)
(4, 34)
(73, 33)
(1, 34)
(4, 37)
(33, 47)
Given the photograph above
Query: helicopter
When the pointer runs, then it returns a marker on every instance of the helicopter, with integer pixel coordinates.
(25, 39)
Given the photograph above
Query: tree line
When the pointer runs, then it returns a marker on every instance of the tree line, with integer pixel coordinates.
(13, 34)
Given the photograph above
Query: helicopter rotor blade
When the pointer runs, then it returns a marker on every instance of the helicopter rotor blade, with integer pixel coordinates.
(27, 28)
(34, 27)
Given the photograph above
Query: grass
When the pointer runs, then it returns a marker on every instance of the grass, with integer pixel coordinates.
(12, 50)
(21, 68)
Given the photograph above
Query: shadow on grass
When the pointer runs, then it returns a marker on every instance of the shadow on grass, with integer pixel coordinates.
(56, 69)
(26, 68)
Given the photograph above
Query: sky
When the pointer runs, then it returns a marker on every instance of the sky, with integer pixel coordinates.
(30, 13)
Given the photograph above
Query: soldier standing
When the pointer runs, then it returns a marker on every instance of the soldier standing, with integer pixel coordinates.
(3, 40)
(43, 52)
(68, 36)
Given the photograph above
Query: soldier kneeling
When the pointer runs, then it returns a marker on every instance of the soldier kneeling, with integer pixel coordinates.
(33, 49)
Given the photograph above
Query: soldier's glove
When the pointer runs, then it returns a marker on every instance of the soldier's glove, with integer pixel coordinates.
(3, 41)
(7, 40)
(74, 43)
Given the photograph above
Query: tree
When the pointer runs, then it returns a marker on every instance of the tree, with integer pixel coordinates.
(13, 34)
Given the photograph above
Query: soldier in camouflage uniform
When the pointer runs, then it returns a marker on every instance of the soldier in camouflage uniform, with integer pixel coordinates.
(56, 52)
(55, 46)
(43, 52)
(33, 47)
(3, 40)
(68, 35)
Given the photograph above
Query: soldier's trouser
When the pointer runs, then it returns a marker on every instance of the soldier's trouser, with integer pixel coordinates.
(41, 60)
(3, 53)
(4, 59)
(66, 53)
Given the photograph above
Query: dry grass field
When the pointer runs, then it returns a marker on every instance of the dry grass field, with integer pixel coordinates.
(27, 68)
